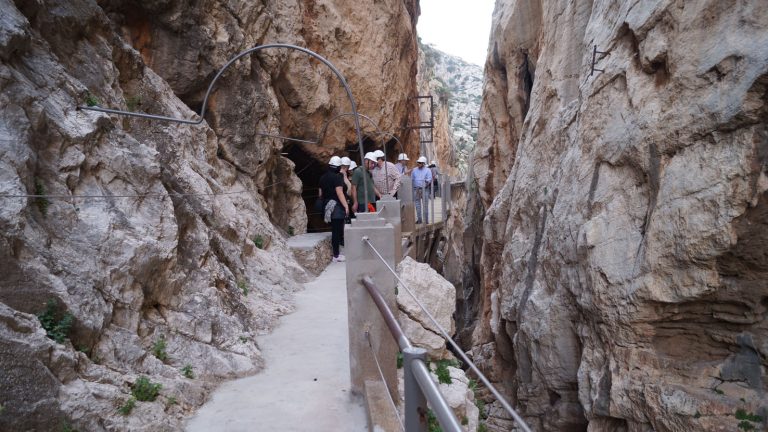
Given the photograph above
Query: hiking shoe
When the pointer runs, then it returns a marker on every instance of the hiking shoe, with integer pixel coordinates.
(339, 258)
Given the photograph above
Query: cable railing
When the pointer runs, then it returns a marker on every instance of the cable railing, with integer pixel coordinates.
(457, 349)
(419, 386)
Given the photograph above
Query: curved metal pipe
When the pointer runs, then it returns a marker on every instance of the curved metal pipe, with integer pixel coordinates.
(227, 65)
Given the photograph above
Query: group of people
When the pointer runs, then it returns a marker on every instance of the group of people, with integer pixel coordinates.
(342, 191)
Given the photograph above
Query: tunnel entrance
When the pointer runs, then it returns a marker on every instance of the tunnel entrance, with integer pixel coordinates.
(309, 168)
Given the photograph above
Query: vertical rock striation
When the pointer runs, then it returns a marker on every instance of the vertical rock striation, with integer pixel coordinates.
(619, 283)
(181, 258)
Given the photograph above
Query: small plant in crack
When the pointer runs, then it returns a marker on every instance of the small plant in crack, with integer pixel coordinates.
(171, 401)
(91, 100)
(442, 372)
(258, 240)
(132, 102)
(187, 371)
(145, 390)
(128, 406)
(243, 286)
(56, 324)
(158, 349)
(41, 201)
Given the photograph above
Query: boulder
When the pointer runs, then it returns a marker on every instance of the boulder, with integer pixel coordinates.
(438, 297)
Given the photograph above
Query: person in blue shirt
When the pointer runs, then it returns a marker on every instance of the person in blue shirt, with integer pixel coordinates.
(422, 179)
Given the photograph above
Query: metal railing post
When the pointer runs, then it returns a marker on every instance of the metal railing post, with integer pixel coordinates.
(415, 401)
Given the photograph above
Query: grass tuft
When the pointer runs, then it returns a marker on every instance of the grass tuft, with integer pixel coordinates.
(56, 325)
(145, 390)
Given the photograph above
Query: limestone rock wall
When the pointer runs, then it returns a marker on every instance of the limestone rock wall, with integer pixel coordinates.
(619, 277)
(205, 269)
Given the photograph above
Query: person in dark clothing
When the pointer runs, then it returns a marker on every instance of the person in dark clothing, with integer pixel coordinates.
(335, 207)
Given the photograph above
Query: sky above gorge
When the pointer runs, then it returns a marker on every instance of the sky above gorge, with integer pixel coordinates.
(457, 27)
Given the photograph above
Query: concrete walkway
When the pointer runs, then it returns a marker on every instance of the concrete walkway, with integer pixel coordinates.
(305, 384)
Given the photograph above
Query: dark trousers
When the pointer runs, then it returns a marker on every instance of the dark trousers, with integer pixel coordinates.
(337, 235)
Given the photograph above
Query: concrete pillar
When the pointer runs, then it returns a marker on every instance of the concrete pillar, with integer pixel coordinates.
(389, 209)
(407, 208)
(363, 315)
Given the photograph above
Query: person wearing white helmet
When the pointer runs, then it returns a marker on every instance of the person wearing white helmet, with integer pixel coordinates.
(402, 166)
(335, 207)
(386, 177)
(435, 179)
(422, 178)
(359, 205)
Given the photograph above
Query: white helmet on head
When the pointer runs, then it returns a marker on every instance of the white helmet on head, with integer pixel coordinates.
(433, 163)
(402, 157)
(422, 159)
(379, 154)
(346, 161)
(370, 156)
(352, 165)
(335, 161)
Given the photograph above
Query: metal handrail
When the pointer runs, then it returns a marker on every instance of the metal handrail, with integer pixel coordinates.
(499, 397)
(417, 368)
(249, 51)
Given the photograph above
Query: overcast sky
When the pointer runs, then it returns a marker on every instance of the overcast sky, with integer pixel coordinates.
(457, 27)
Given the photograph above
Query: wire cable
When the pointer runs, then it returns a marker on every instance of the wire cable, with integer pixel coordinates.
(381, 374)
(519, 420)
(150, 195)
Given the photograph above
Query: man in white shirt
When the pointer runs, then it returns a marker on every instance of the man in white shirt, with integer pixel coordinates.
(422, 178)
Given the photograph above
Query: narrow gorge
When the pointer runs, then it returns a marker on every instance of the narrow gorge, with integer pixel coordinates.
(607, 240)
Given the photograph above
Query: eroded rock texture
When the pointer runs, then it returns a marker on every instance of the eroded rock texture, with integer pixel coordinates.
(620, 278)
(204, 269)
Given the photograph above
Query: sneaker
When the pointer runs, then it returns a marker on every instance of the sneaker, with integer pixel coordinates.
(339, 258)
(418, 222)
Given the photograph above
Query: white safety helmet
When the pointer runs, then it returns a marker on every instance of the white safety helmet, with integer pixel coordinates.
(352, 165)
(346, 161)
(422, 159)
(402, 157)
(433, 163)
(370, 156)
(378, 154)
(335, 161)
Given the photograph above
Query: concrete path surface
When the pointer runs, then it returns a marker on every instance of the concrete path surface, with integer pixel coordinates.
(305, 385)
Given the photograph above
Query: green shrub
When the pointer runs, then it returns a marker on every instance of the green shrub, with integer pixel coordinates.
(187, 371)
(145, 390)
(128, 406)
(432, 424)
(41, 202)
(748, 420)
(158, 349)
(258, 240)
(56, 325)
(442, 372)
(480, 404)
(91, 100)
(132, 102)
(66, 427)
(291, 231)
(243, 287)
(399, 360)
(482, 427)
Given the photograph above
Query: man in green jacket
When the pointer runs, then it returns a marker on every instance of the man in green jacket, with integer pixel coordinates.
(358, 194)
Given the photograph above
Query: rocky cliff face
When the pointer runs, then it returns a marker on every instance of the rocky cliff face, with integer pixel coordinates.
(178, 256)
(456, 87)
(619, 281)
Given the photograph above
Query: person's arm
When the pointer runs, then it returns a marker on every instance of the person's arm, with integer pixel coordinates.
(342, 199)
(396, 180)
(353, 191)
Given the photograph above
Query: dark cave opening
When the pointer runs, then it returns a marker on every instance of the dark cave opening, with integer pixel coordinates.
(309, 169)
